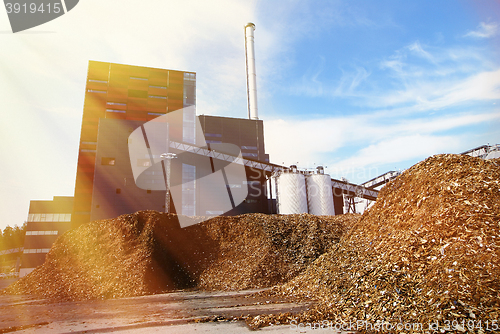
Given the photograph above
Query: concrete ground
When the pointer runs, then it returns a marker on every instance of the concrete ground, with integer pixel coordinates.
(5, 282)
(176, 312)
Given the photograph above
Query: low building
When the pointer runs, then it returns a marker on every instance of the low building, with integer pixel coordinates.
(47, 220)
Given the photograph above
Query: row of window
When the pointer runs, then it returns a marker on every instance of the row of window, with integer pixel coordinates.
(133, 78)
(131, 93)
(187, 76)
(49, 217)
(42, 232)
(36, 250)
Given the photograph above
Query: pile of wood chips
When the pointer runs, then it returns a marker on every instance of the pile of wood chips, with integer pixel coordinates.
(427, 252)
(258, 250)
(147, 252)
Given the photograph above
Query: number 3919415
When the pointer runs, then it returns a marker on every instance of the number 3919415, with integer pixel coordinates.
(33, 8)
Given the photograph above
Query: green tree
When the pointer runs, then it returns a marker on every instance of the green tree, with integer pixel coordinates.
(12, 237)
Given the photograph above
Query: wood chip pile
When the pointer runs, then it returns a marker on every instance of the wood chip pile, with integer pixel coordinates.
(258, 250)
(427, 252)
(147, 252)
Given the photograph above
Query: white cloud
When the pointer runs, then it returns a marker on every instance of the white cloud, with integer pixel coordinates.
(419, 96)
(398, 149)
(417, 49)
(484, 30)
(375, 140)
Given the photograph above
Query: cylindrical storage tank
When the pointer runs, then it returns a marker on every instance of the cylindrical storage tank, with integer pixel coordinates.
(319, 194)
(291, 193)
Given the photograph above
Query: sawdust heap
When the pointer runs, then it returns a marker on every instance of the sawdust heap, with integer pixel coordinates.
(428, 250)
(147, 252)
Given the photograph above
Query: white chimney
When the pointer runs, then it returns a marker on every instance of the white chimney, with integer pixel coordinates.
(251, 74)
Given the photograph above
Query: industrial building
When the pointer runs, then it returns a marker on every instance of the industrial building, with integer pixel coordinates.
(47, 220)
(122, 93)
(122, 98)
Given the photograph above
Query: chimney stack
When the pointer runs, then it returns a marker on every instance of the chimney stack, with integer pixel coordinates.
(251, 74)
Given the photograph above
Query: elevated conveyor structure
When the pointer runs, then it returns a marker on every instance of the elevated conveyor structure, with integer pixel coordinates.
(380, 180)
(484, 151)
(339, 187)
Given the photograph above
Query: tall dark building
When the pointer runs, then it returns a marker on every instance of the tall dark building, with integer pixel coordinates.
(120, 99)
(122, 92)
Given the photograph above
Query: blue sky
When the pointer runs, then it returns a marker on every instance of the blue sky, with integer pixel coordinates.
(362, 87)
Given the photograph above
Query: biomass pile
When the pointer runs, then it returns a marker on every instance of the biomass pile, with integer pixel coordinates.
(147, 252)
(428, 250)
(131, 255)
(258, 250)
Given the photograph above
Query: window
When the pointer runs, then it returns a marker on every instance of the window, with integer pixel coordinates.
(190, 76)
(188, 190)
(37, 250)
(101, 81)
(138, 78)
(159, 87)
(108, 161)
(116, 110)
(155, 114)
(116, 104)
(97, 91)
(250, 155)
(42, 232)
(157, 97)
(213, 135)
(249, 148)
(53, 217)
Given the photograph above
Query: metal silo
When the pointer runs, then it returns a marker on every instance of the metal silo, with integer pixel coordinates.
(319, 193)
(291, 192)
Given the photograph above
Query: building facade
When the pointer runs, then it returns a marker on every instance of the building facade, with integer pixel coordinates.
(47, 220)
(115, 191)
(120, 99)
(123, 92)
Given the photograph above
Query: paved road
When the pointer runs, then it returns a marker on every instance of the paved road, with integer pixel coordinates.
(5, 282)
(164, 313)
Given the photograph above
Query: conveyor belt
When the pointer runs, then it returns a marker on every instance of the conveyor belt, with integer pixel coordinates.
(344, 187)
